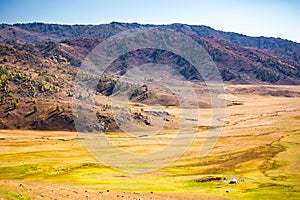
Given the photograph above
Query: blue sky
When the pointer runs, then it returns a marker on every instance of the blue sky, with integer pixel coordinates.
(276, 18)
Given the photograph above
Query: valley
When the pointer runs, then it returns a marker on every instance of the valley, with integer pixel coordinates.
(46, 139)
(259, 146)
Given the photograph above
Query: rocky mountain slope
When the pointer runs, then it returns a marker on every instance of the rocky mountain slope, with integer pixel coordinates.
(241, 59)
(38, 64)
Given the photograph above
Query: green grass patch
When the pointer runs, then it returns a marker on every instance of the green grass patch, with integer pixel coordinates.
(13, 195)
(18, 171)
(42, 171)
(229, 163)
(273, 191)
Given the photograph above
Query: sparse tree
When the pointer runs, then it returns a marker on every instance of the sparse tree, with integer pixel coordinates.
(58, 109)
(14, 104)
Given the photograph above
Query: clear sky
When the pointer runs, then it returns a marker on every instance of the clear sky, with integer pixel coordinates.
(276, 18)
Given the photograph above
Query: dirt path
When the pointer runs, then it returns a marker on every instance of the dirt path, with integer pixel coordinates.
(59, 191)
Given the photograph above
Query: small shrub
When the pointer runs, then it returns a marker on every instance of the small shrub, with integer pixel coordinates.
(3, 99)
(3, 70)
(35, 108)
(58, 109)
(11, 95)
(14, 104)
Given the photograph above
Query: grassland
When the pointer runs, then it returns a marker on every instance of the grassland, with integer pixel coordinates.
(259, 147)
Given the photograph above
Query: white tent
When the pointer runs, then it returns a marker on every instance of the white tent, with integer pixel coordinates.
(233, 181)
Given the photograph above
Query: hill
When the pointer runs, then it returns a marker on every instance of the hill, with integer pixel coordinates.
(271, 60)
(42, 32)
(38, 64)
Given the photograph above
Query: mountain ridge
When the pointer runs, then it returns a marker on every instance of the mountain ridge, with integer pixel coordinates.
(38, 70)
(62, 31)
(240, 58)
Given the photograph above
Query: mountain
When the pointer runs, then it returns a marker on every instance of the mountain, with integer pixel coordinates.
(33, 32)
(241, 59)
(38, 64)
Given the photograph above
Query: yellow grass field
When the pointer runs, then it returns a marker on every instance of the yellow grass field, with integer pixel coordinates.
(259, 146)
